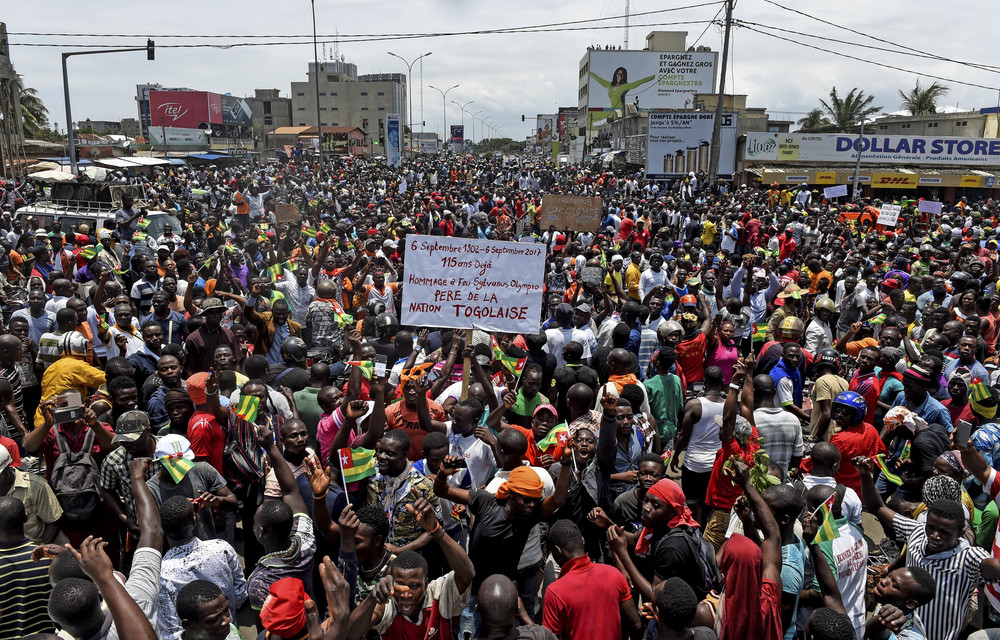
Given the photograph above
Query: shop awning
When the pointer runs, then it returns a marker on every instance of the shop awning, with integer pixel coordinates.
(877, 177)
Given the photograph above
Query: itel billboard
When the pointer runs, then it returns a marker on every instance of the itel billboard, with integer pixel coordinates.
(184, 109)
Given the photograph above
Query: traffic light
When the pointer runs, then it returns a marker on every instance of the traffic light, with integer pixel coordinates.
(522, 117)
(150, 52)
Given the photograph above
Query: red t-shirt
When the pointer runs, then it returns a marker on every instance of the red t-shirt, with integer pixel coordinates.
(960, 413)
(722, 492)
(860, 440)
(691, 358)
(11, 447)
(870, 387)
(583, 602)
(207, 438)
(399, 416)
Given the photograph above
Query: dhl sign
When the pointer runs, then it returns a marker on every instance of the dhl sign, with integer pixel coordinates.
(825, 177)
(970, 181)
(894, 180)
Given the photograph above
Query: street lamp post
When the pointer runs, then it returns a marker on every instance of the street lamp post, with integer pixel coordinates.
(319, 117)
(474, 126)
(857, 165)
(69, 116)
(444, 111)
(409, 89)
(463, 106)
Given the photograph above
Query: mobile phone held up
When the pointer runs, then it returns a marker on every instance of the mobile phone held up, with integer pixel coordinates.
(455, 464)
(380, 365)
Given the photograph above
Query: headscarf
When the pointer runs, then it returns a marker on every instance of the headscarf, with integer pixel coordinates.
(986, 408)
(782, 370)
(413, 373)
(196, 388)
(621, 381)
(673, 496)
(963, 374)
(941, 488)
(522, 480)
(741, 565)
(954, 460)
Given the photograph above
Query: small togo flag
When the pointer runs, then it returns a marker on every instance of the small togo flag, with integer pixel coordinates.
(365, 366)
(90, 252)
(246, 408)
(143, 223)
(343, 319)
(514, 365)
(325, 228)
(888, 475)
(309, 232)
(140, 236)
(979, 391)
(177, 466)
(827, 527)
(906, 451)
(357, 464)
(667, 455)
(558, 436)
(275, 272)
(759, 332)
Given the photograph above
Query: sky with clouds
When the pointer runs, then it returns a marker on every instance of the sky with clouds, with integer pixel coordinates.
(508, 74)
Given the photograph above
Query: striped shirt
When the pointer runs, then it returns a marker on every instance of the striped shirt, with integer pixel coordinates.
(993, 490)
(48, 349)
(956, 571)
(24, 591)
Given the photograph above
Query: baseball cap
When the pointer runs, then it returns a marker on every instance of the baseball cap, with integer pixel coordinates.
(130, 426)
(545, 407)
(689, 300)
(165, 247)
(284, 611)
(692, 282)
(172, 445)
(583, 308)
(196, 387)
(103, 233)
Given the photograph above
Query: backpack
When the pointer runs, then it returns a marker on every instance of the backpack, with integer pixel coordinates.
(703, 551)
(74, 478)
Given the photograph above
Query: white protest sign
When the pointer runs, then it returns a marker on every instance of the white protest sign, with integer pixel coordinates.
(889, 214)
(929, 206)
(835, 192)
(462, 283)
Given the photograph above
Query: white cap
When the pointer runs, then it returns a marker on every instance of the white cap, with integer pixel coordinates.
(173, 444)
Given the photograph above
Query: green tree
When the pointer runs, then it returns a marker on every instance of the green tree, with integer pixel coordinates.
(922, 100)
(815, 122)
(846, 113)
(34, 114)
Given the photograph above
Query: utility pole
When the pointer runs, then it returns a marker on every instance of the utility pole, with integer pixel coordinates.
(626, 23)
(713, 163)
(319, 116)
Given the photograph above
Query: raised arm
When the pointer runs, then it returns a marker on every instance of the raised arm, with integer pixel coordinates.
(148, 514)
(870, 497)
(457, 559)
(771, 545)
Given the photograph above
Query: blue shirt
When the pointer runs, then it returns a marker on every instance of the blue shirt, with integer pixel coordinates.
(758, 299)
(281, 332)
(931, 411)
(174, 326)
(978, 370)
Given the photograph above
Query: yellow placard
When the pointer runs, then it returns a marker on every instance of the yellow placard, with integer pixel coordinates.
(894, 180)
(971, 181)
(825, 177)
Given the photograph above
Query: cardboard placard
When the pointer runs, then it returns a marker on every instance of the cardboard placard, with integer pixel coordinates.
(287, 213)
(592, 275)
(929, 206)
(462, 283)
(571, 213)
(835, 192)
(888, 215)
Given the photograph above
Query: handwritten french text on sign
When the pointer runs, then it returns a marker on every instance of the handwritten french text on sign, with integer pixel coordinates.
(461, 283)
(835, 192)
(929, 206)
(889, 214)
(576, 213)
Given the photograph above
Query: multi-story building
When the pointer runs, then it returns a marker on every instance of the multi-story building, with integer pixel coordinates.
(270, 111)
(349, 100)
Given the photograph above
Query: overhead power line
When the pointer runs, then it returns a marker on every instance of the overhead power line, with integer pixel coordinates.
(362, 37)
(859, 59)
(899, 45)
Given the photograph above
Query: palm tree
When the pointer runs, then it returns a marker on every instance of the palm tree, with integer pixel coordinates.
(814, 122)
(34, 114)
(919, 101)
(846, 113)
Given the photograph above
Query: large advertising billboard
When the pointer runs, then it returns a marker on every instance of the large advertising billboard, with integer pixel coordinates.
(457, 134)
(680, 142)
(843, 147)
(392, 139)
(547, 128)
(654, 79)
(178, 136)
(184, 109)
(236, 111)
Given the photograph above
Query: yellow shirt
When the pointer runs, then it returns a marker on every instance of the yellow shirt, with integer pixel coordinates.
(68, 373)
(632, 276)
(708, 231)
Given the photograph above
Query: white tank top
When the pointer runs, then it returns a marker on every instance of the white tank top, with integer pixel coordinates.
(705, 443)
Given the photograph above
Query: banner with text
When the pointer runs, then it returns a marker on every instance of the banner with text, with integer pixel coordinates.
(678, 142)
(654, 79)
(392, 139)
(835, 192)
(889, 214)
(571, 213)
(929, 206)
(843, 147)
(461, 283)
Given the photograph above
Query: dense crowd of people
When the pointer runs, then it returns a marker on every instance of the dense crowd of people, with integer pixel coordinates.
(230, 424)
